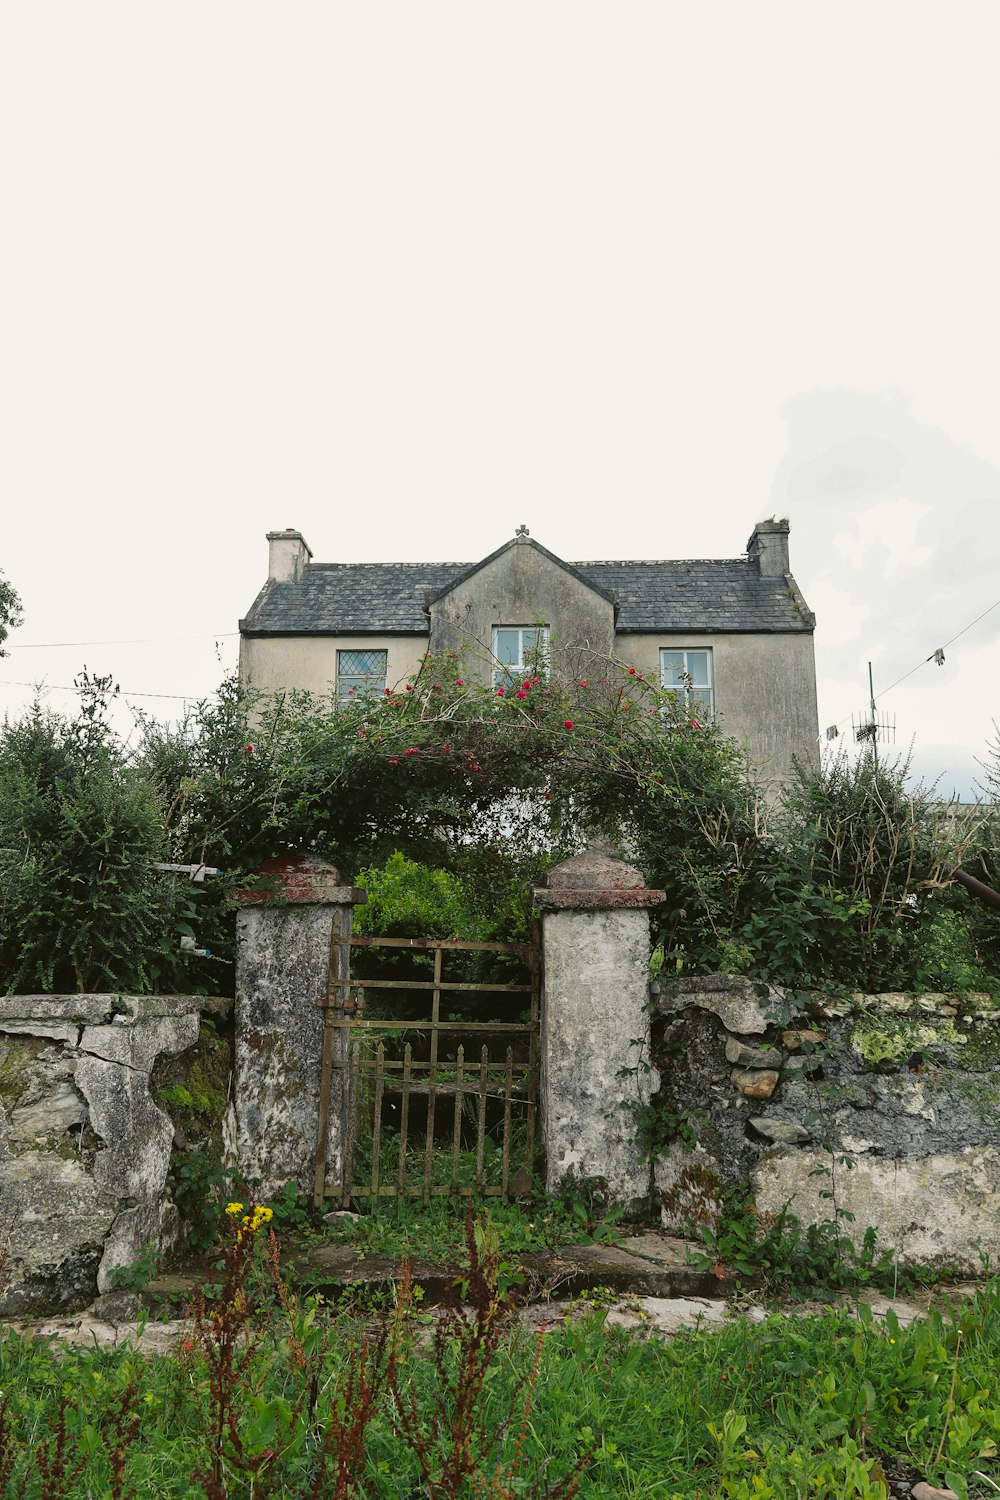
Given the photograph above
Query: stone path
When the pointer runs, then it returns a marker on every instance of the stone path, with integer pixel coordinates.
(646, 1283)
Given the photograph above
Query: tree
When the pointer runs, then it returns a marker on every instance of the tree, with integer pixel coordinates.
(10, 610)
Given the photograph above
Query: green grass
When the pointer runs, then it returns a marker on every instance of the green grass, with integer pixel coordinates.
(786, 1408)
(436, 1233)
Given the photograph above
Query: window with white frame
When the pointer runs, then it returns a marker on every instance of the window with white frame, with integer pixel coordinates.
(689, 672)
(517, 649)
(360, 673)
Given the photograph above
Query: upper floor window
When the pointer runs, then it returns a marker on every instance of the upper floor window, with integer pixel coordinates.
(517, 650)
(690, 672)
(360, 673)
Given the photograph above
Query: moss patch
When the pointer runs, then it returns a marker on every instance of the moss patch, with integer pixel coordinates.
(193, 1087)
(17, 1054)
(982, 1047)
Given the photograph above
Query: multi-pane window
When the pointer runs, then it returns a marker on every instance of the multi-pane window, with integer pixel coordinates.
(691, 673)
(360, 672)
(517, 649)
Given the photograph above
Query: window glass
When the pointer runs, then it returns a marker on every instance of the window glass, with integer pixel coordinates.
(515, 649)
(507, 646)
(691, 673)
(360, 672)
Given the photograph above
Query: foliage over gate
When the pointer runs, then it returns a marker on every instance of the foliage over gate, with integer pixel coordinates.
(847, 883)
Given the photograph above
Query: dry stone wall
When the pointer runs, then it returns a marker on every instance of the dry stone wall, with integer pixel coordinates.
(882, 1107)
(84, 1148)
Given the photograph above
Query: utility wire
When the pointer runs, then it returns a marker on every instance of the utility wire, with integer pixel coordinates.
(934, 653)
(151, 640)
(955, 637)
(61, 687)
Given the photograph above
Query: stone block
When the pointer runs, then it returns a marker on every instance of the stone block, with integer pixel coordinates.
(744, 1056)
(939, 1210)
(755, 1083)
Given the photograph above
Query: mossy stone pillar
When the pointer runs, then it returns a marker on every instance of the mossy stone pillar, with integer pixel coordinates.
(595, 1022)
(283, 953)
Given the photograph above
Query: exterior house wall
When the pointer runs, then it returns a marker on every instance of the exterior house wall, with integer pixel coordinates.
(747, 610)
(279, 663)
(522, 586)
(764, 690)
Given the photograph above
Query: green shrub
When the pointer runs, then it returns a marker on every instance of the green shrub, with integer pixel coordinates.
(81, 906)
(851, 892)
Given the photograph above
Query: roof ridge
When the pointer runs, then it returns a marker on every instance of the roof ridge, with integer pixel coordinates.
(654, 562)
(593, 562)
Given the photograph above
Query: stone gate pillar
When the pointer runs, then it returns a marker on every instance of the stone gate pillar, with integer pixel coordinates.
(283, 950)
(595, 1021)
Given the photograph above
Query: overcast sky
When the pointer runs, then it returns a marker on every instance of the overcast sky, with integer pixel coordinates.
(405, 276)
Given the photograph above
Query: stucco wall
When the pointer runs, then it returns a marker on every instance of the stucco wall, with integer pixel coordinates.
(522, 587)
(277, 663)
(765, 690)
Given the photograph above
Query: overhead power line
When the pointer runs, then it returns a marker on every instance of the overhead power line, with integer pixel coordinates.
(936, 655)
(151, 640)
(62, 687)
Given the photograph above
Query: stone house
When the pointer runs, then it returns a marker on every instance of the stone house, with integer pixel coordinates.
(735, 635)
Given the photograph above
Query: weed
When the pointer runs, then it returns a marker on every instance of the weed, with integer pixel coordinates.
(523, 1226)
(200, 1180)
(137, 1276)
(457, 1440)
(830, 1405)
(778, 1249)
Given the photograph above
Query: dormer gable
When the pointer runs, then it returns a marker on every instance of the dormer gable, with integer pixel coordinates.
(521, 584)
(522, 538)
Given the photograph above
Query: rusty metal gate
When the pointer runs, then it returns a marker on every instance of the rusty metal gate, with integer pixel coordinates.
(413, 1106)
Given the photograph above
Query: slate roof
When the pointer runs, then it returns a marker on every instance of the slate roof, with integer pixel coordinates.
(653, 598)
(699, 596)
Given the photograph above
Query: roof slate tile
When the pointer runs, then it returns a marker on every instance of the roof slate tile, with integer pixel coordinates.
(653, 597)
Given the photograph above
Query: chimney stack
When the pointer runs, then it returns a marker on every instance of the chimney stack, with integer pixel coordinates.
(768, 547)
(288, 555)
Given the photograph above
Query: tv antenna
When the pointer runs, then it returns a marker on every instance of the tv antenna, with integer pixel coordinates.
(870, 726)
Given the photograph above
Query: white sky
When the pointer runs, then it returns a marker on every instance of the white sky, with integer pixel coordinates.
(405, 276)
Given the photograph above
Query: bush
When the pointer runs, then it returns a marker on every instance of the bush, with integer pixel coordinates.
(454, 798)
(81, 906)
(852, 891)
(407, 899)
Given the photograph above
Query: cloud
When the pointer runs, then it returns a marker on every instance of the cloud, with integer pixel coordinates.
(895, 535)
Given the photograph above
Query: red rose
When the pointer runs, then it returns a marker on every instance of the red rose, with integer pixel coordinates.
(500, 692)
(568, 724)
(247, 749)
(521, 694)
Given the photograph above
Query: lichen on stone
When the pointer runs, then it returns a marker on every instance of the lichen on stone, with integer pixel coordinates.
(881, 1038)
